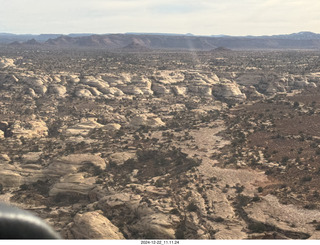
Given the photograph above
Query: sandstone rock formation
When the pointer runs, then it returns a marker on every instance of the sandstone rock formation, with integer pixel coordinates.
(112, 127)
(253, 94)
(83, 93)
(30, 129)
(31, 157)
(178, 90)
(228, 90)
(58, 90)
(6, 62)
(10, 176)
(119, 158)
(109, 145)
(83, 127)
(5, 157)
(97, 83)
(93, 225)
(73, 185)
(72, 163)
(148, 119)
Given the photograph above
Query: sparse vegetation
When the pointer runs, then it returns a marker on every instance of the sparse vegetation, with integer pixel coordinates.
(156, 136)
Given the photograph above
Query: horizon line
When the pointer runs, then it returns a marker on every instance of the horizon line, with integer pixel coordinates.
(152, 33)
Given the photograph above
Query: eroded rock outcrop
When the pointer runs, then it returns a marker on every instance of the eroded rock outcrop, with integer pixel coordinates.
(84, 93)
(253, 94)
(6, 62)
(228, 90)
(58, 90)
(156, 225)
(98, 83)
(37, 84)
(29, 129)
(119, 158)
(10, 176)
(93, 225)
(83, 127)
(73, 184)
(148, 119)
(72, 163)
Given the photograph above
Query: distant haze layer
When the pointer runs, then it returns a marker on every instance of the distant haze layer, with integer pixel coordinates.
(146, 42)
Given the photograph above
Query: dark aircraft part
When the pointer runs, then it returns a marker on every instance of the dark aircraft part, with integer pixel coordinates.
(19, 224)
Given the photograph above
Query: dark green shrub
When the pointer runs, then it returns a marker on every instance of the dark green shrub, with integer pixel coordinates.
(306, 178)
(192, 207)
(257, 227)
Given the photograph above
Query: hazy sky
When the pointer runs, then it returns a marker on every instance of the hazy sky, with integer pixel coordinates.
(202, 17)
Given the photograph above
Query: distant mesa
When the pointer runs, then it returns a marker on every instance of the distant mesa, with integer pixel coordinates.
(62, 40)
(32, 42)
(16, 43)
(136, 46)
(145, 42)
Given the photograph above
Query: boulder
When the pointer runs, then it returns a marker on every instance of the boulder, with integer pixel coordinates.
(13, 176)
(119, 202)
(4, 125)
(112, 127)
(80, 159)
(178, 90)
(159, 89)
(94, 91)
(73, 184)
(97, 83)
(31, 157)
(83, 93)
(155, 226)
(10, 176)
(56, 78)
(29, 129)
(58, 90)
(131, 90)
(93, 225)
(31, 92)
(147, 91)
(148, 119)
(41, 90)
(119, 158)
(72, 163)
(37, 84)
(73, 78)
(114, 91)
(84, 127)
(228, 90)
(5, 157)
